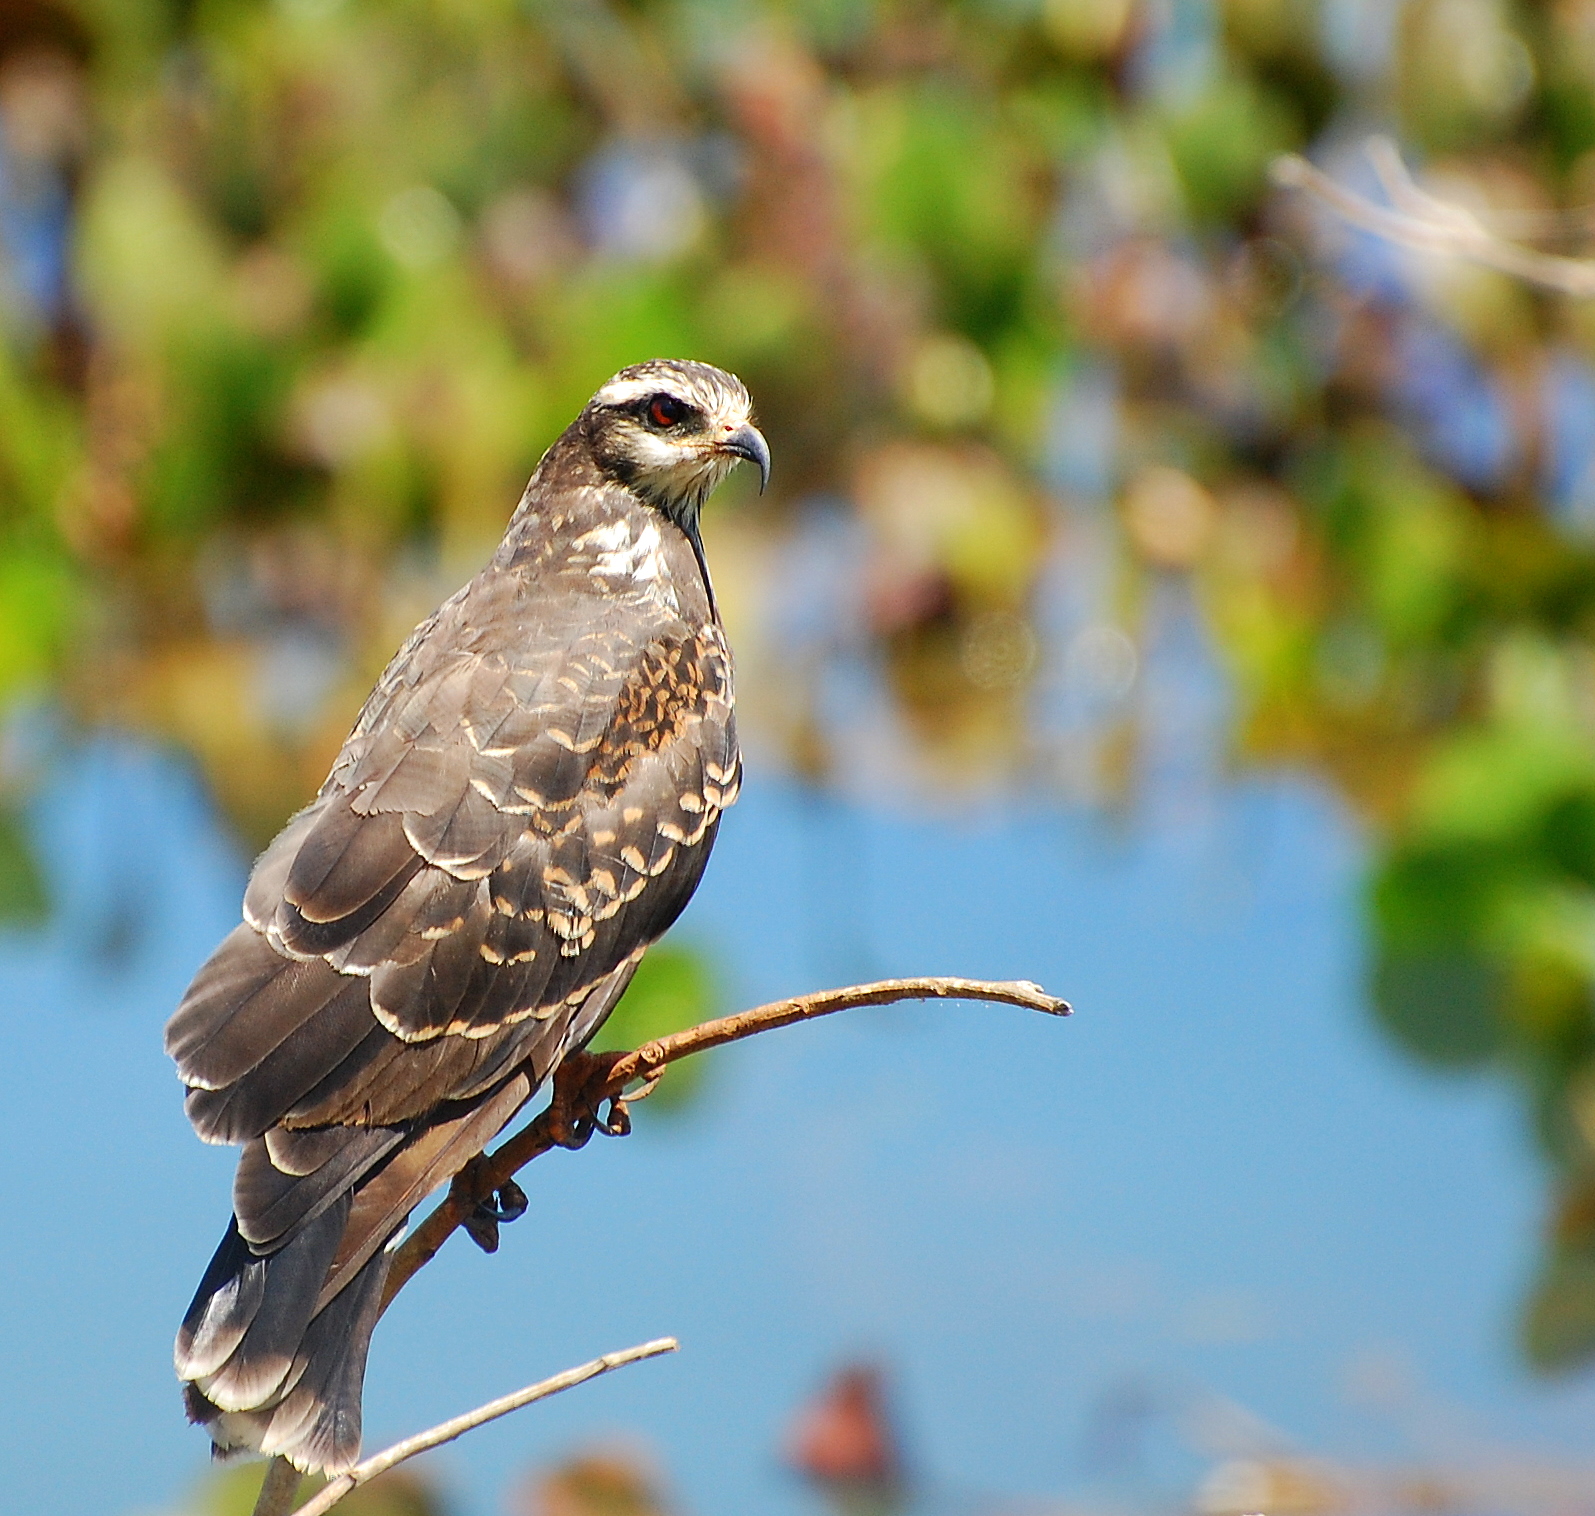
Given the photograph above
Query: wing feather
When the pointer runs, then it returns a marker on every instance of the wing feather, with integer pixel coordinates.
(270, 1200)
(246, 1107)
(243, 1004)
(344, 861)
(527, 800)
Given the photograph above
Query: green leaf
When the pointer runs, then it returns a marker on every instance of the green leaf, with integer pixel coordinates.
(673, 990)
(24, 900)
(39, 606)
(1569, 835)
(1438, 895)
(1222, 141)
(1443, 1008)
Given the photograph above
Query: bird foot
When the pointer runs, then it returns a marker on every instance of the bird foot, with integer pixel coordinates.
(507, 1203)
(581, 1091)
(582, 1103)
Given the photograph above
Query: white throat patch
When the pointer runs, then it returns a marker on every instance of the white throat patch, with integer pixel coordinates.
(618, 554)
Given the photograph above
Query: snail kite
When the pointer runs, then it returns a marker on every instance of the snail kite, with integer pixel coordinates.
(527, 801)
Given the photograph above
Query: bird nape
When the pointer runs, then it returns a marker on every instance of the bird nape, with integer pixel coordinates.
(526, 801)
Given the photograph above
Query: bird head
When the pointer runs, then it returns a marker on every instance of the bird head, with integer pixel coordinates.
(671, 430)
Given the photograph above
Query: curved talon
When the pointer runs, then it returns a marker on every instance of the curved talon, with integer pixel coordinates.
(618, 1122)
(482, 1228)
(507, 1203)
(571, 1132)
(573, 1113)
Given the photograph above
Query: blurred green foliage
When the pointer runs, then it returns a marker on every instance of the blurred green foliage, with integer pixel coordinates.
(1008, 281)
(233, 1489)
(24, 900)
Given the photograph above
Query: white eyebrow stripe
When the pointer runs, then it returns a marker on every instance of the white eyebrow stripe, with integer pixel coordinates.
(619, 391)
(712, 400)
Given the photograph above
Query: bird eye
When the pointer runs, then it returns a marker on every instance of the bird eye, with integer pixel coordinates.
(666, 410)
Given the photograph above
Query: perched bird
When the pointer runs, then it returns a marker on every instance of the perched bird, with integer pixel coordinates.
(526, 801)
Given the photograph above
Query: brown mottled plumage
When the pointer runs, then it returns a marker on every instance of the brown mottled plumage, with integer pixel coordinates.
(527, 800)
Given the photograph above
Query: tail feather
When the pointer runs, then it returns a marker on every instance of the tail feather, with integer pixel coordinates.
(223, 1306)
(313, 1416)
(274, 1346)
(262, 1355)
(318, 1424)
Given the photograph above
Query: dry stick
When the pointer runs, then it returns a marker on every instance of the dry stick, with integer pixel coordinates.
(1426, 223)
(379, 1463)
(480, 1179)
(477, 1182)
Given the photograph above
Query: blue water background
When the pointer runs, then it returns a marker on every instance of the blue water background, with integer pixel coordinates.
(1215, 1186)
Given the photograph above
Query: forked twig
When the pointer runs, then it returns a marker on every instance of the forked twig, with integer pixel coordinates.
(1419, 220)
(585, 1083)
(379, 1463)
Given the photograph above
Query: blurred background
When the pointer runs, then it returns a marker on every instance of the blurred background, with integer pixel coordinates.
(1165, 593)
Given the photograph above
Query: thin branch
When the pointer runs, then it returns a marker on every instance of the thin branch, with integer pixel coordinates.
(583, 1084)
(1395, 178)
(379, 1463)
(1409, 197)
(586, 1082)
(1419, 220)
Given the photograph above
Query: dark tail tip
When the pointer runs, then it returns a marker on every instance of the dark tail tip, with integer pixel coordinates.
(264, 1370)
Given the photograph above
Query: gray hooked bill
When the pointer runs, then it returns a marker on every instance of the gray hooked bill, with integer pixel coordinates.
(748, 442)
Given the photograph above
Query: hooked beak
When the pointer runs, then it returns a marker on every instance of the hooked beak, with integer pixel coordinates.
(748, 442)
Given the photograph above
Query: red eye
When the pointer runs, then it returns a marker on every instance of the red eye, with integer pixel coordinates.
(665, 410)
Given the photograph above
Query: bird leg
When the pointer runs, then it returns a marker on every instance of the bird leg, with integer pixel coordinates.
(575, 1111)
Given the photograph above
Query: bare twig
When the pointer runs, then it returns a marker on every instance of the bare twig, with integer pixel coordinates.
(586, 1082)
(1419, 220)
(379, 1463)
